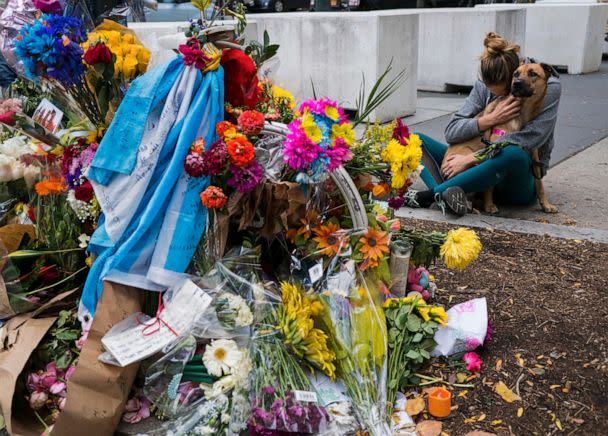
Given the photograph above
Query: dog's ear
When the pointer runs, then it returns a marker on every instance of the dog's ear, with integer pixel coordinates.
(549, 70)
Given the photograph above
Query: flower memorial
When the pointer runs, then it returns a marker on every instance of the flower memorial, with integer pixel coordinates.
(192, 247)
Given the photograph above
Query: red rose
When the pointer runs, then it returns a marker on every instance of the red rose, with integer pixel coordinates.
(98, 54)
(240, 79)
(8, 118)
(84, 192)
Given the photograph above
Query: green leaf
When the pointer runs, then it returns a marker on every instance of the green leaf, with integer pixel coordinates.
(412, 354)
(425, 354)
(69, 335)
(201, 5)
(413, 323)
(266, 38)
(417, 337)
(401, 320)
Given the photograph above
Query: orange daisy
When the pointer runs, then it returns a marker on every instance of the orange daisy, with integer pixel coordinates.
(374, 246)
(308, 222)
(54, 185)
(328, 240)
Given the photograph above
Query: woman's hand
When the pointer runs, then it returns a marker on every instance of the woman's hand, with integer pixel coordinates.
(457, 163)
(504, 111)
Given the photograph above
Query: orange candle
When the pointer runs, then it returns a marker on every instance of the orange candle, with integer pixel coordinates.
(440, 402)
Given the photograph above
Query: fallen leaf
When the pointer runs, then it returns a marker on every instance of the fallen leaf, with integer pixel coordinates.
(471, 420)
(498, 365)
(559, 424)
(461, 377)
(496, 422)
(506, 394)
(429, 428)
(577, 421)
(510, 301)
(521, 362)
(481, 417)
(554, 387)
(520, 412)
(463, 394)
(414, 406)
(537, 371)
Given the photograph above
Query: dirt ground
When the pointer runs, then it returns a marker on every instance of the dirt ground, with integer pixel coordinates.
(548, 302)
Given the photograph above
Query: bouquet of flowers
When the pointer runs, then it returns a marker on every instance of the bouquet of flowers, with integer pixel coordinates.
(75, 161)
(411, 325)
(318, 141)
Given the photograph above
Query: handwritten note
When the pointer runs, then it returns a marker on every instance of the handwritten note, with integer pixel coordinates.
(140, 336)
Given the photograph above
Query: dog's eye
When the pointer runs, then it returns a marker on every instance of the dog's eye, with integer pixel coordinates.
(532, 74)
(516, 74)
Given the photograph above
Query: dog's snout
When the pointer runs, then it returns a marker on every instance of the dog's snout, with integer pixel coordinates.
(518, 84)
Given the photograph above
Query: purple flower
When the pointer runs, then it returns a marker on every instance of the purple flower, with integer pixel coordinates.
(245, 179)
(48, 6)
(215, 159)
(472, 343)
(338, 154)
(268, 390)
(299, 151)
(396, 202)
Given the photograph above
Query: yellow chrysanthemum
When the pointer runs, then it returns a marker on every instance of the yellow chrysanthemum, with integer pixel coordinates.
(403, 159)
(461, 247)
(424, 312)
(344, 131)
(332, 113)
(310, 128)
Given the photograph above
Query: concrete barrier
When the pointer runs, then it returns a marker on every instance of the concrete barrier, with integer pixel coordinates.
(334, 50)
(565, 35)
(451, 40)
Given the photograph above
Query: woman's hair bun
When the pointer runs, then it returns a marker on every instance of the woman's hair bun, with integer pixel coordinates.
(495, 45)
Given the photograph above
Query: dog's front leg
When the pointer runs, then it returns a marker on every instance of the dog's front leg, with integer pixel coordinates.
(488, 201)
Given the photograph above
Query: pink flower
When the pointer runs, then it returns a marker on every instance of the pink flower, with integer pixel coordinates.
(395, 225)
(58, 388)
(299, 151)
(489, 332)
(33, 381)
(61, 403)
(338, 154)
(382, 218)
(401, 131)
(38, 399)
(473, 361)
(136, 409)
(472, 343)
(70, 371)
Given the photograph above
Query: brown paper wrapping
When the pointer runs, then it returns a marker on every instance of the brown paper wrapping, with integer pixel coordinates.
(97, 392)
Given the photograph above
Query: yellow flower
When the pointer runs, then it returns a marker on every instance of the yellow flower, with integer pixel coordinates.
(310, 128)
(111, 37)
(214, 54)
(128, 38)
(118, 66)
(332, 113)
(461, 247)
(280, 93)
(403, 159)
(344, 131)
(129, 67)
(439, 315)
(424, 312)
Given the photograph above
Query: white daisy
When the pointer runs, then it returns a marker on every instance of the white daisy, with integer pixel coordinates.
(221, 356)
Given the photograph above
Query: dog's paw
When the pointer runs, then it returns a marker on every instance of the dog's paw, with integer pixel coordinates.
(549, 208)
(490, 208)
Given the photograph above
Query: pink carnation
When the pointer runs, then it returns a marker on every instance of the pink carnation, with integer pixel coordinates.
(338, 154)
(473, 361)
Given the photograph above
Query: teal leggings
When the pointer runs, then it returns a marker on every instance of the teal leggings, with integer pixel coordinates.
(510, 173)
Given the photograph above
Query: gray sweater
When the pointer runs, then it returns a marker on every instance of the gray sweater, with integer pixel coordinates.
(537, 134)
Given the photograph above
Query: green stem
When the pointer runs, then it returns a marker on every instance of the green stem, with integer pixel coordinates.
(58, 283)
(33, 253)
(434, 380)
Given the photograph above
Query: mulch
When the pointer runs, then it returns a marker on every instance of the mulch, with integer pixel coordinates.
(548, 303)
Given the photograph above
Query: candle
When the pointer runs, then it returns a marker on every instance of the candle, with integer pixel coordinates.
(399, 265)
(440, 402)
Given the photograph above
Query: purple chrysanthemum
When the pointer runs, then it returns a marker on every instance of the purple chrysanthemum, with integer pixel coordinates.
(245, 179)
(396, 202)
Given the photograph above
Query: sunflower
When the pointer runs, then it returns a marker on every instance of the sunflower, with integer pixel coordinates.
(461, 247)
(328, 240)
(374, 246)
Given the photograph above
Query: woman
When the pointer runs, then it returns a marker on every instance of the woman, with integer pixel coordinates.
(510, 170)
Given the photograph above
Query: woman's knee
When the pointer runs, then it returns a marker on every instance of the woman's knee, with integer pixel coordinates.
(514, 155)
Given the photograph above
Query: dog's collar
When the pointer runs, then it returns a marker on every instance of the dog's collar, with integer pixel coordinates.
(498, 132)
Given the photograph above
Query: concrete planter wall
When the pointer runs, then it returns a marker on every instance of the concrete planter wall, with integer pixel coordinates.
(335, 49)
(565, 35)
(451, 40)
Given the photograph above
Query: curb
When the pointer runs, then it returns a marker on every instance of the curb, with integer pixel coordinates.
(508, 224)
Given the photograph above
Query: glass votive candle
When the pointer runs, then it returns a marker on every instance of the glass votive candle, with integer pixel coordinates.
(440, 402)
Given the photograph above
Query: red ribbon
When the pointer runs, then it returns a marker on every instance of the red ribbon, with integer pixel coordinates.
(156, 323)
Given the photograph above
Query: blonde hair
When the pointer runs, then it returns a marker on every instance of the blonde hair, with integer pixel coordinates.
(499, 60)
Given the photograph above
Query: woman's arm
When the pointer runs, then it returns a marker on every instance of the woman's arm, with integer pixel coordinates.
(537, 132)
(463, 125)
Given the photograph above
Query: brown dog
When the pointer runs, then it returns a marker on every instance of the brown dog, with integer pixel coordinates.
(530, 85)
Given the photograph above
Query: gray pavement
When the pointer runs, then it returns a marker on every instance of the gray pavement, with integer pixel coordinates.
(577, 181)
